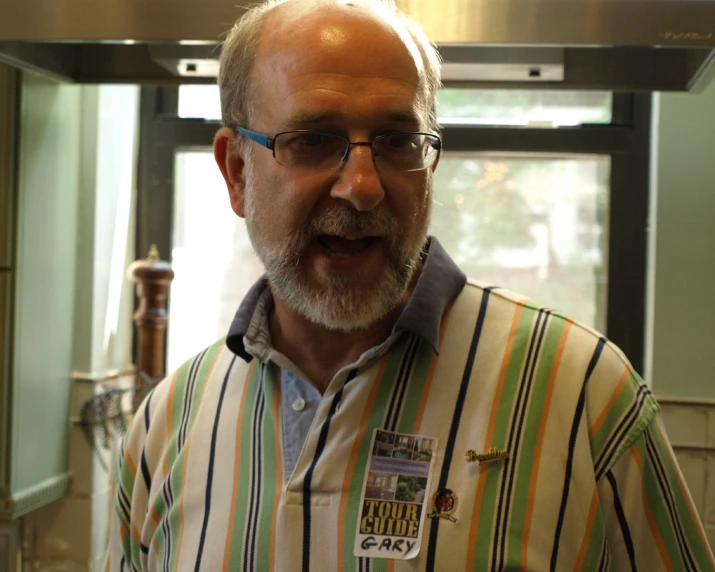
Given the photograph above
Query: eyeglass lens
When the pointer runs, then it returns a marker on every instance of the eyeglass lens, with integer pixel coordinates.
(323, 151)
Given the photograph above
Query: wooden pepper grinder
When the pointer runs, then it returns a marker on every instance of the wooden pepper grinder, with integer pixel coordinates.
(153, 278)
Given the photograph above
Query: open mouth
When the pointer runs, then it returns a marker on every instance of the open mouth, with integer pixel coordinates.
(341, 247)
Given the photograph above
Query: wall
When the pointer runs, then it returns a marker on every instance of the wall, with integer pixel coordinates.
(71, 534)
(39, 284)
(681, 336)
(45, 254)
(691, 428)
(682, 345)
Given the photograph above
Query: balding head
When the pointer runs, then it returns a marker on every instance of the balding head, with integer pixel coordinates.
(278, 20)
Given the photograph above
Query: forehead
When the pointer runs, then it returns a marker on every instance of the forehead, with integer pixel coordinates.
(340, 59)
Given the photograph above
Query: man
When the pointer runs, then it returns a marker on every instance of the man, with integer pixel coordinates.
(369, 408)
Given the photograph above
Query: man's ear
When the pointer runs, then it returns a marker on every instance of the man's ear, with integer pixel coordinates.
(434, 167)
(230, 161)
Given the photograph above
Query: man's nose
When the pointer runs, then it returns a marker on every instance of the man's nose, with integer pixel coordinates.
(358, 181)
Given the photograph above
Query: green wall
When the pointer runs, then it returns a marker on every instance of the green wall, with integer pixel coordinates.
(47, 199)
(682, 336)
(71, 299)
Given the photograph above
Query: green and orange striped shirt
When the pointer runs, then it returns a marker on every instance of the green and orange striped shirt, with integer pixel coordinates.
(590, 482)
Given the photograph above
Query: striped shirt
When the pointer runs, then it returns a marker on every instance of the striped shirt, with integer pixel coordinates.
(590, 482)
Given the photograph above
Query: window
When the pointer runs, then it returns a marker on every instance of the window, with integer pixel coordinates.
(537, 224)
(212, 258)
(199, 102)
(541, 192)
(535, 108)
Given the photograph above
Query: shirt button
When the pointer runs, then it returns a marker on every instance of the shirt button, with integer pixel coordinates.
(298, 404)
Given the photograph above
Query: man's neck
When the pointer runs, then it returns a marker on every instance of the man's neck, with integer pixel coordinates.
(319, 353)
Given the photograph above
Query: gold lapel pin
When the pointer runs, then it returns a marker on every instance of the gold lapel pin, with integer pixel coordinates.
(493, 455)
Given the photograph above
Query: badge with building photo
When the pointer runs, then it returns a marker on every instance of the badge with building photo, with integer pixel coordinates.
(394, 495)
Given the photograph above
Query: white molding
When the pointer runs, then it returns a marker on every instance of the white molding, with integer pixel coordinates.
(35, 497)
(110, 375)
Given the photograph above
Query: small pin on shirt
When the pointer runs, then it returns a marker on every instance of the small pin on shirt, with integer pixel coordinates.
(493, 455)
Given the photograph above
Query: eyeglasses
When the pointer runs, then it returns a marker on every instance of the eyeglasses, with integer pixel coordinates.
(320, 151)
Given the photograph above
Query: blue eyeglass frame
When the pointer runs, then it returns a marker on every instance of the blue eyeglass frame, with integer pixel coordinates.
(270, 142)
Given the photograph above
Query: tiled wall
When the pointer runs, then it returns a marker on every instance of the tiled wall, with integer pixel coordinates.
(690, 425)
(71, 535)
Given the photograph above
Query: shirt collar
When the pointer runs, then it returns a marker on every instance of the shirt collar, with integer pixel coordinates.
(439, 283)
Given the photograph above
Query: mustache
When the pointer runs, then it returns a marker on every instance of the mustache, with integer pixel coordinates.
(347, 222)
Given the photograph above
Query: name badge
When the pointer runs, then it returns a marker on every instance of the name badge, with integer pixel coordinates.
(394, 496)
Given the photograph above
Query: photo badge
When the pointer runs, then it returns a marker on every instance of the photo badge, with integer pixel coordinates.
(394, 499)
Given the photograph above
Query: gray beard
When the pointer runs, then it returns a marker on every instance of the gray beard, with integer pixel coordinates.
(340, 303)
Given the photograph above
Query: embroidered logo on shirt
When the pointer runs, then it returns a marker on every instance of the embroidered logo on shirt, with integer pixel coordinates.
(493, 455)
(444, 504)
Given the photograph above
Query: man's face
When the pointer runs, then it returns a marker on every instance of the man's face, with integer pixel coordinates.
(339, 246)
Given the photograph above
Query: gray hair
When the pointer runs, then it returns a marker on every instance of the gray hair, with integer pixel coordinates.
(239, 51)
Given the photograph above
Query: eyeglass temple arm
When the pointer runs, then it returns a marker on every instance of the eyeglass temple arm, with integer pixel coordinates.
(257, 137)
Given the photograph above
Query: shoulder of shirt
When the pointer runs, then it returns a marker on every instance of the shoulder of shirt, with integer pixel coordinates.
(617, 400)
(511, 300)
(203, 368)
(612, 363)
(184, 369)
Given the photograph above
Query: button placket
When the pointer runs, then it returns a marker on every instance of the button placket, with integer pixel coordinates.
(300, 402)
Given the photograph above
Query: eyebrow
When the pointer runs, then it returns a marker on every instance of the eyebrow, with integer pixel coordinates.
(316, 118)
